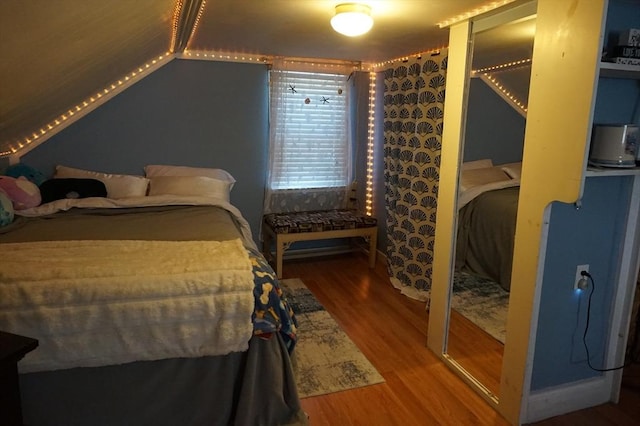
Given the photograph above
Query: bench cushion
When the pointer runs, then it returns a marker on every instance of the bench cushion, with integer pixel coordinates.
(317, 221)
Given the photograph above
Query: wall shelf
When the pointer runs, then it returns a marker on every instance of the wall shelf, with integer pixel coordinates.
(622, 71)
(611, 70)
(604, 171)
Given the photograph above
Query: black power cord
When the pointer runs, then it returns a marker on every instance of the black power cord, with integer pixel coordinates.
(586, 328)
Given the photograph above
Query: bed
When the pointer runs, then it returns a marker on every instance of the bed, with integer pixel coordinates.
(154, 309)
(487, 209)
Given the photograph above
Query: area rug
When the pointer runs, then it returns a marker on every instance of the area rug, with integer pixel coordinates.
(327, 360)
(481, 301)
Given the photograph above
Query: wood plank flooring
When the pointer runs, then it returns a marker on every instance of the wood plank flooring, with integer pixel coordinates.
(390, 329)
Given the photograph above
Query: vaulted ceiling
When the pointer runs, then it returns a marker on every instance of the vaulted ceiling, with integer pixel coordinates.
(58, 54)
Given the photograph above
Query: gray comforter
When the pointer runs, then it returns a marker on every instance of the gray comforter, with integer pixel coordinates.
(486, 230)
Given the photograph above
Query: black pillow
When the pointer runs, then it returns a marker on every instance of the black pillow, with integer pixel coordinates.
(57, 189)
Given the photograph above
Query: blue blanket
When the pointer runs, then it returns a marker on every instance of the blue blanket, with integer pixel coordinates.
(272, 313)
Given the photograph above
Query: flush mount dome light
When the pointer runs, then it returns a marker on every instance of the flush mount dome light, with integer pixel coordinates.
(352, 19)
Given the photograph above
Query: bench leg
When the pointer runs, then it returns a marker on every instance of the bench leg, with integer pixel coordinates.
(373, 248)
(266, 244)
(280, 248)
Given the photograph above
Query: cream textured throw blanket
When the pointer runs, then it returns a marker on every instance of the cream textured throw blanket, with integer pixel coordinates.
(93, 303)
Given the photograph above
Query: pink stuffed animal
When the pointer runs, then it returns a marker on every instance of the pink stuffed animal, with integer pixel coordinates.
(23, 193)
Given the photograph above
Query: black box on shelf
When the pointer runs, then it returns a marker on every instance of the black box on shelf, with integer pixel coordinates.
(630, 37)
(625, 52)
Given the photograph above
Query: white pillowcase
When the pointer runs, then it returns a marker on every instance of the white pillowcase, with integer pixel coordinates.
(200, 186)
(514, 170)
(477, 164)
(167, 170)
(118, 186)
(477, 177)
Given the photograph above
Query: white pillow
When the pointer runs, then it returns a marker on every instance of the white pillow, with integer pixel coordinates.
(118, 186)
(477, 164)
(200, 186)
(514, 170)
(167, 170)
(476, 177)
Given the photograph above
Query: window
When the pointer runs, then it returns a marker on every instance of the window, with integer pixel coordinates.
(310, 134)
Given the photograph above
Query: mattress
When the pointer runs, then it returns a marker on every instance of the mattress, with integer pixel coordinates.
(107, 282)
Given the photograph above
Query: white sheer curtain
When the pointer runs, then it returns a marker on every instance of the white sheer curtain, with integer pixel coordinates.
(310, 158)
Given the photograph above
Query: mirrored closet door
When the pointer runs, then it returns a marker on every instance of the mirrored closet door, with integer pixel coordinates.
(491, 132)
(488, 189)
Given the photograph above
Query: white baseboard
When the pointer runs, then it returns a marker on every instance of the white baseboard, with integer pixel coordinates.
(567, 398)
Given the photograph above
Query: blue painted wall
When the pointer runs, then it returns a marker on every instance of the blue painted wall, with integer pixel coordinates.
(494, 129)
(197, 113)
(591, 235)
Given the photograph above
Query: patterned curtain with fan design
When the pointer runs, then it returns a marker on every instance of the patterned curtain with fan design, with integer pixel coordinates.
(414, 93)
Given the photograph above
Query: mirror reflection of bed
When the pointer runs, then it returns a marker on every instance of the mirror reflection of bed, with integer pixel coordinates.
(488, 198)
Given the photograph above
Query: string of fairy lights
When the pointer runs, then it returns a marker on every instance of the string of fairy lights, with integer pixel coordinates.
(223, 57)
(175, 22)
(370, 144)
(504, 67)
(489, 77)
(197, 21)
(87, 105)
(506, 94)
(93, 101)
(378, 66)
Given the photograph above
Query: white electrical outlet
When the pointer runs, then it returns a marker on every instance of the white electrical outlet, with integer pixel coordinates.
(579, 276)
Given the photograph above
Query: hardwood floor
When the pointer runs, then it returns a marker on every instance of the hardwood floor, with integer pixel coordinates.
(476, 351)
(390, 329)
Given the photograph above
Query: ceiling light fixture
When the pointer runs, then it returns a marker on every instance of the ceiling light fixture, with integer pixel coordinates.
(352, 19)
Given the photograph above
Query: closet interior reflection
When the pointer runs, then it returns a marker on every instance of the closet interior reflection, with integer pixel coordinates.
(488, 186)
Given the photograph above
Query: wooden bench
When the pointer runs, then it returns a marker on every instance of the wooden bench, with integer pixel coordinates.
(287, 228)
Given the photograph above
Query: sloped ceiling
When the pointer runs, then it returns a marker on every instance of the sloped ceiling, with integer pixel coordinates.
(58, 53)
(512, 42)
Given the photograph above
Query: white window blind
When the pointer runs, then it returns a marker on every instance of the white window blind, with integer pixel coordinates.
(309, 130)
